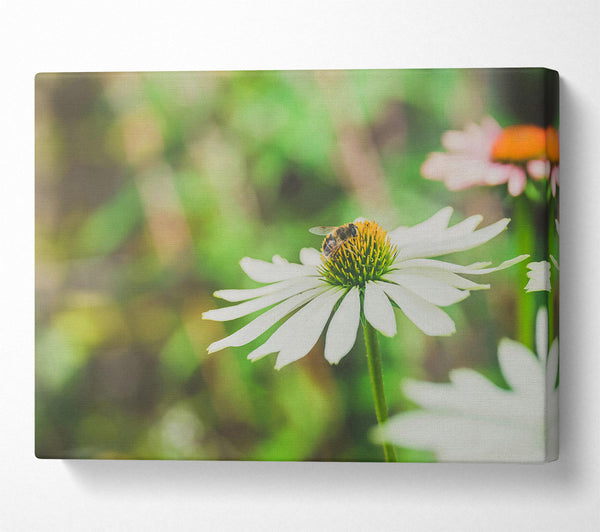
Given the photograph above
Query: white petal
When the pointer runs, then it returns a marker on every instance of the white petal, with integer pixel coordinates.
(477, 268)
(517, 181)
(469, 393)
(554, 180)
(426, 316)
(476, 395)
(491, 129)
(341, 333)
(426, 247)
(434, 225)
(245, 294)
(463, 439)
(551, 423)
(296, 337)
(497, 174)
(449, 278)
(538, 169)
(265, 321)
(310, 257)
(555, 262)
(465, 227)
(378, 310)
(521, 369)
(237, 311)
(552, 366)
(458, 141)
(458, 172)
(432, 290)
(280, 270)
(539, 277)
(541, 334)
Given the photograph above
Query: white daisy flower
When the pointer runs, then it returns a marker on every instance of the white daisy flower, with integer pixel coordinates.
(471, 419)
(363, 271)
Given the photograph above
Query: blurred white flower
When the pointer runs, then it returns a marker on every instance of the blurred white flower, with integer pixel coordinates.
(365, 274)
(471, 419)
(488, 154)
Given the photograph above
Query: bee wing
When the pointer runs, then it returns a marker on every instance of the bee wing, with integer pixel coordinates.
(321, 230)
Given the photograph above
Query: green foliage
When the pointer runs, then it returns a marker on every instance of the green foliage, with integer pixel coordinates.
(111, 224)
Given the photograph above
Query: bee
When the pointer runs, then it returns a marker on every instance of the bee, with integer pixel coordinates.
(334, 236)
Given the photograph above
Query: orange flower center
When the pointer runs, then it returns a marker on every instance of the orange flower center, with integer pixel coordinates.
(552, 145)
(526, 142)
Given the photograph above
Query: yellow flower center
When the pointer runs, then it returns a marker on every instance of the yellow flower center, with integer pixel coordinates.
(356, 253)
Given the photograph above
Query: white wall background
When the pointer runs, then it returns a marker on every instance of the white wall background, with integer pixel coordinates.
(74, 35)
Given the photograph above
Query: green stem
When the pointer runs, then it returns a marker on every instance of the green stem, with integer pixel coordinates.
(524, 221)
(376, 373)
(552, 250)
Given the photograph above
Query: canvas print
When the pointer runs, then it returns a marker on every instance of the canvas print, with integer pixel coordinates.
(354, 265)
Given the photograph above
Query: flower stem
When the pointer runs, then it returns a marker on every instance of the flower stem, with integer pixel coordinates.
(376, 373)
(525, 228)
(552, 250)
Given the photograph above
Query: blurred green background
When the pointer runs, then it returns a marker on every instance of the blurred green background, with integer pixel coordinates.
(150, 188)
